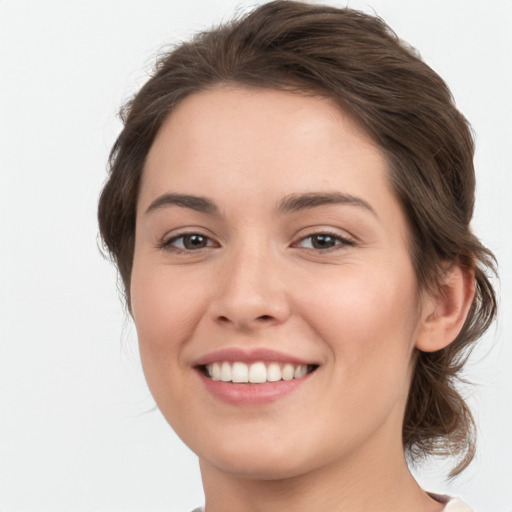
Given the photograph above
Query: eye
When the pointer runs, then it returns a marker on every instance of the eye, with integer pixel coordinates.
(188, 242)
(323, 241)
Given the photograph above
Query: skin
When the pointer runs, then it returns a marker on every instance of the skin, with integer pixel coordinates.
(261, 281)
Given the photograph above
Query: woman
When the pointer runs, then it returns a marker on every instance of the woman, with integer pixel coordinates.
(288, 206)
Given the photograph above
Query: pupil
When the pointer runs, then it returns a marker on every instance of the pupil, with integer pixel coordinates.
(323, 241)
(194, 241)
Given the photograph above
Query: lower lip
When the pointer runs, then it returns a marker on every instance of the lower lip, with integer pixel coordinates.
(251, 394)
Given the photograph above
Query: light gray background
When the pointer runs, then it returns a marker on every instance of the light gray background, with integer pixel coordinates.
(77, 430)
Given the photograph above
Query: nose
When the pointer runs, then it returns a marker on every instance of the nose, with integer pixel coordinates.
(251, 292)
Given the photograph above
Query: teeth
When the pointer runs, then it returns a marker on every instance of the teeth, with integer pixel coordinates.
(273, 372)
(255, 373)
(240, 372)
(258, 373)
(300, 371)
(215, 371)
(287, 372)
(225, 372)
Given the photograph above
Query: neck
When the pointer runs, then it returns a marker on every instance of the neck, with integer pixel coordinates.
(372, 481)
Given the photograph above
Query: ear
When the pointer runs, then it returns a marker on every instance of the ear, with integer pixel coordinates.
(443, 316)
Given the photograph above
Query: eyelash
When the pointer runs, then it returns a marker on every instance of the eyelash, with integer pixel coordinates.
(167, 244)
(339, 242)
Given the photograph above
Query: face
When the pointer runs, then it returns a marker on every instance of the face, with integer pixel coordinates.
(272, 288)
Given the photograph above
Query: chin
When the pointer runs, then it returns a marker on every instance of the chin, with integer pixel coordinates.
(258, 460)
(260, 468)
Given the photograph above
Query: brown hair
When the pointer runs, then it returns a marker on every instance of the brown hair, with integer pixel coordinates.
(355, 59)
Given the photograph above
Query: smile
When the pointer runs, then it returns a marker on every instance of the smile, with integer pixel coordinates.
(255, 377)
(257, 372)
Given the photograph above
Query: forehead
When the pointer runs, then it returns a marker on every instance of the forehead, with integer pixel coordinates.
(239, 134)
(259, 111)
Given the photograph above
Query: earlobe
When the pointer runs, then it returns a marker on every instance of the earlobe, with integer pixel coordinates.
(443, 315)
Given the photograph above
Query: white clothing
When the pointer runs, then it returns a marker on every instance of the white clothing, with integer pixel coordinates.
(452, 504)
(456, 505)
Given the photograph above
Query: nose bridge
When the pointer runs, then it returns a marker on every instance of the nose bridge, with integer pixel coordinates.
(249, 273)
(250, 293)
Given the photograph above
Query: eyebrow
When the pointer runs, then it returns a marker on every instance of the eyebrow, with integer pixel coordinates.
(290, 203)
(198, 203)
(297, 202)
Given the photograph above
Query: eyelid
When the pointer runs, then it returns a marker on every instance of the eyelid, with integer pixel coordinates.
(345, 240)
(167, 241)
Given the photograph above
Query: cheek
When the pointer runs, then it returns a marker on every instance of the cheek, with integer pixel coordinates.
(368, 319)
(166, 308)
(165, 311)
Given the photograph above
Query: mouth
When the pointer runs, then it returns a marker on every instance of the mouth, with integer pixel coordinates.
(259, 372)
(246, 378)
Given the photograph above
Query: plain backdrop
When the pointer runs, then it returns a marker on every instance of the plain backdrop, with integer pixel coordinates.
(78, 427)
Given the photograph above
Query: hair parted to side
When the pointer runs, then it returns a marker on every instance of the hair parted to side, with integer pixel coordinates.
(358, 61)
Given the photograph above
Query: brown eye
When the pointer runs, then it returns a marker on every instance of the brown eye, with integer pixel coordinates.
(194, 241)
(188, 242)
(323, 241)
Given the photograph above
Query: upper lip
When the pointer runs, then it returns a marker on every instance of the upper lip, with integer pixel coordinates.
(248, 356)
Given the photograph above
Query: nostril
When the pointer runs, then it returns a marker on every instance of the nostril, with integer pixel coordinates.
(246, 321)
